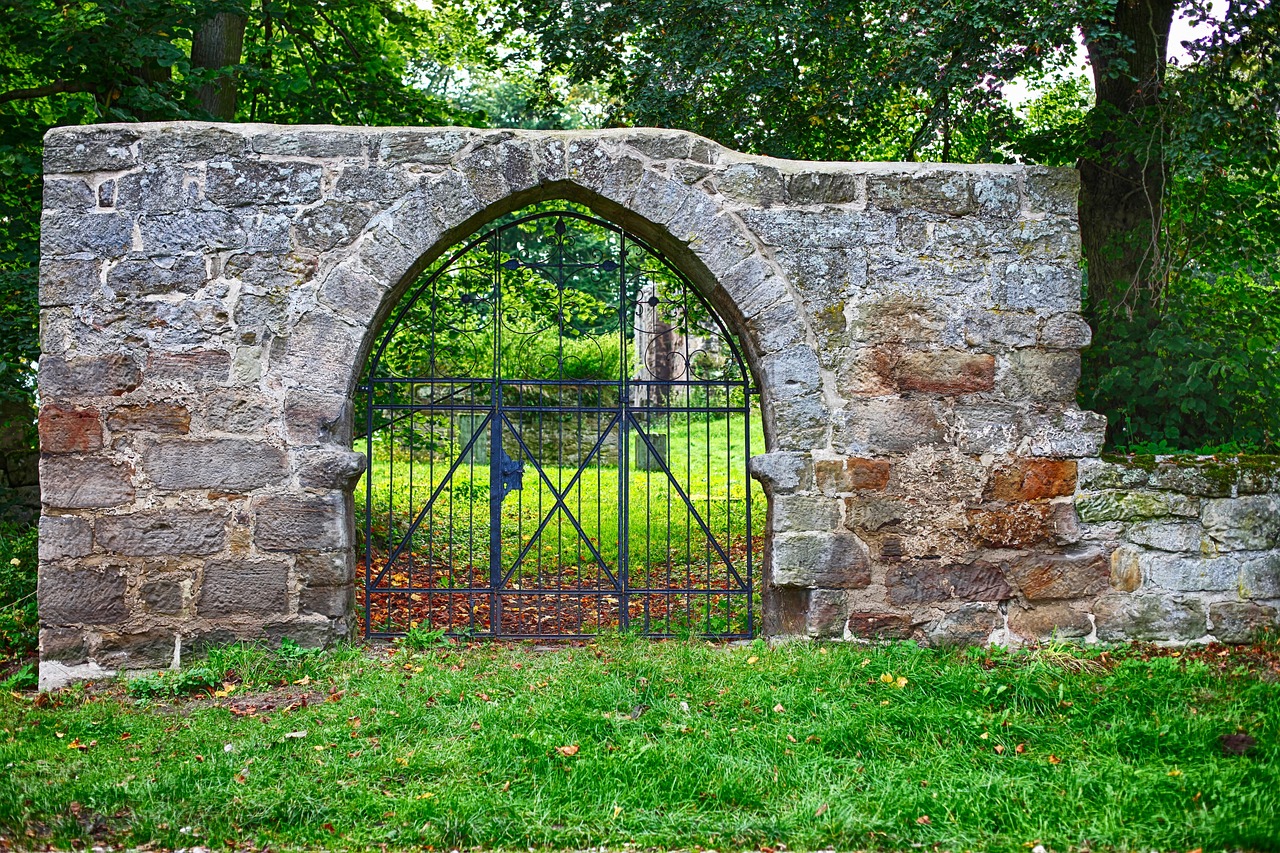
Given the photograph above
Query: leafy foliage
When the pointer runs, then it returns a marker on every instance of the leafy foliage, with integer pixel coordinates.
(18, 619)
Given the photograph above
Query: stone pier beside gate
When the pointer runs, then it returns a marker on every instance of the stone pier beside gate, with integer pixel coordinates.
(209, 294)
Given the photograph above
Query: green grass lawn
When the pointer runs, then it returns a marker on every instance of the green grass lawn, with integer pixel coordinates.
(670, 745)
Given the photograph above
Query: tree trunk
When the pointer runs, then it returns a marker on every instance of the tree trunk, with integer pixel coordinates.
(1122, 179)
(217, 44)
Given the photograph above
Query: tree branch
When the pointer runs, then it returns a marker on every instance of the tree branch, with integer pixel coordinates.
(55, 88)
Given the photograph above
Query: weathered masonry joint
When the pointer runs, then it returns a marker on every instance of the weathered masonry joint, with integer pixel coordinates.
(210, 293)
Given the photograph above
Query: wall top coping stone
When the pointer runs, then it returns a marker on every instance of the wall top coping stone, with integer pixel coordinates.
(121, 140)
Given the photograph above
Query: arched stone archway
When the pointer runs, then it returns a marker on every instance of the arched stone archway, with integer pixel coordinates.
(209, 293)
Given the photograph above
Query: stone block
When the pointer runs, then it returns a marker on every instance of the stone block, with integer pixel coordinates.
(164, 595)
(103, 235)
(879, 626)
(87, 376)
(828, 612)
(1241, 622)
(1033, 479)
(85, 596)
(149, 649)
(937, 191)
(1076, 574)
(162, 532)
(1051, 190)
(196, 369)
(1118, 505)
(1065, 331)
(1032, 285)
(792, 372)
(190, 231)
(985, 328)
(319, 353)
(309, 632)
(315, 568)
(944, 371)
(1033, 374)
(286, 523)
(1149, 618)
(1067, 432)
(813, 187)
(65, 645)
(885, 427)
(428, 147)
(243, 587)
(331, 224)
(260, 183)
(225, 464)
(804, 513)
(237, 411)
(826, 560)
(68, 281)
(782, 472)
(313, 417)
(90, 148)
(64, 537)
(1249, 523)
(1126, 568)
(967, 625)
(330, 468)
(163, 188)
(850, 474)
(138, 277)
(1019, 525)
(158, 418)
(331, 601)
(873, 514)
(69, 429)
(1260, 576)
(1185, 536)
(1190, 573)
(327, 143)
(799, 424)
(1049, 620)
(72, 482)
(931, 581)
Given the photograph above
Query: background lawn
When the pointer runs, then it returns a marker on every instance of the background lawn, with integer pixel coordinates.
(674, 744)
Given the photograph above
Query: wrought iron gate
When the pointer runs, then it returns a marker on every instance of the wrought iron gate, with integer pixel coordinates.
(558, 426)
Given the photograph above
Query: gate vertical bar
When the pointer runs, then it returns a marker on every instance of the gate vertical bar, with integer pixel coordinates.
(495, 450)
(624, 446)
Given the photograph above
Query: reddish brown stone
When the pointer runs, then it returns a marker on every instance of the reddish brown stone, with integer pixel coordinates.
(1018, 526)
(926, 581)
(69, 430)
(888, 626)
(945, 372)
(1062, 576)
(1033, 479)
(850, 474)
(163, 418)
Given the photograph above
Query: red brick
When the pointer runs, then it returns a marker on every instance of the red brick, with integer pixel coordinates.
(69, 430)
(945, 372)
(851, 474)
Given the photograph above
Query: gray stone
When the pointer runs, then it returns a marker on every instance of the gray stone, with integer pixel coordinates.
(782, 473)
(1185, 536)
(150, 649)
(163, 595)
(317, 418)
(227, 464)
(237, 412)
(262, 183)
(66, 645)
(68, 281)
(329, 143)
(331, 224)
(104, 235)
(81, 597)
(1149, 617)
(967, 625)
(799, 513)
(162, 532)
(63, 537)
(1185, 573)
(284, 523)
(73, 482)
(1241, 622)
(194, 369)
(1066, 331)
(1260, 576)
(1030, 374)
(1046, 621)
(324, 569)
(144, 276)
(331, 601)
(72, 194)
(330, 468)
(1249, 523)
(87, 376)
(243, 587)
(190, 231)
(828, 560)
(930, 581)
(885, 426)
(91, 148)
(1002, 328)
(309, 632)
(1052, 190)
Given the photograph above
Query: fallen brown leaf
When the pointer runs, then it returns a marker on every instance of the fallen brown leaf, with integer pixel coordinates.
(568, 751)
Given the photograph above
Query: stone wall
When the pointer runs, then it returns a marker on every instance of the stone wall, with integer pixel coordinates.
(209, 293)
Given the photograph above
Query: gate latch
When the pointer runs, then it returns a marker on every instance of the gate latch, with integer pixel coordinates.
(510, 471)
